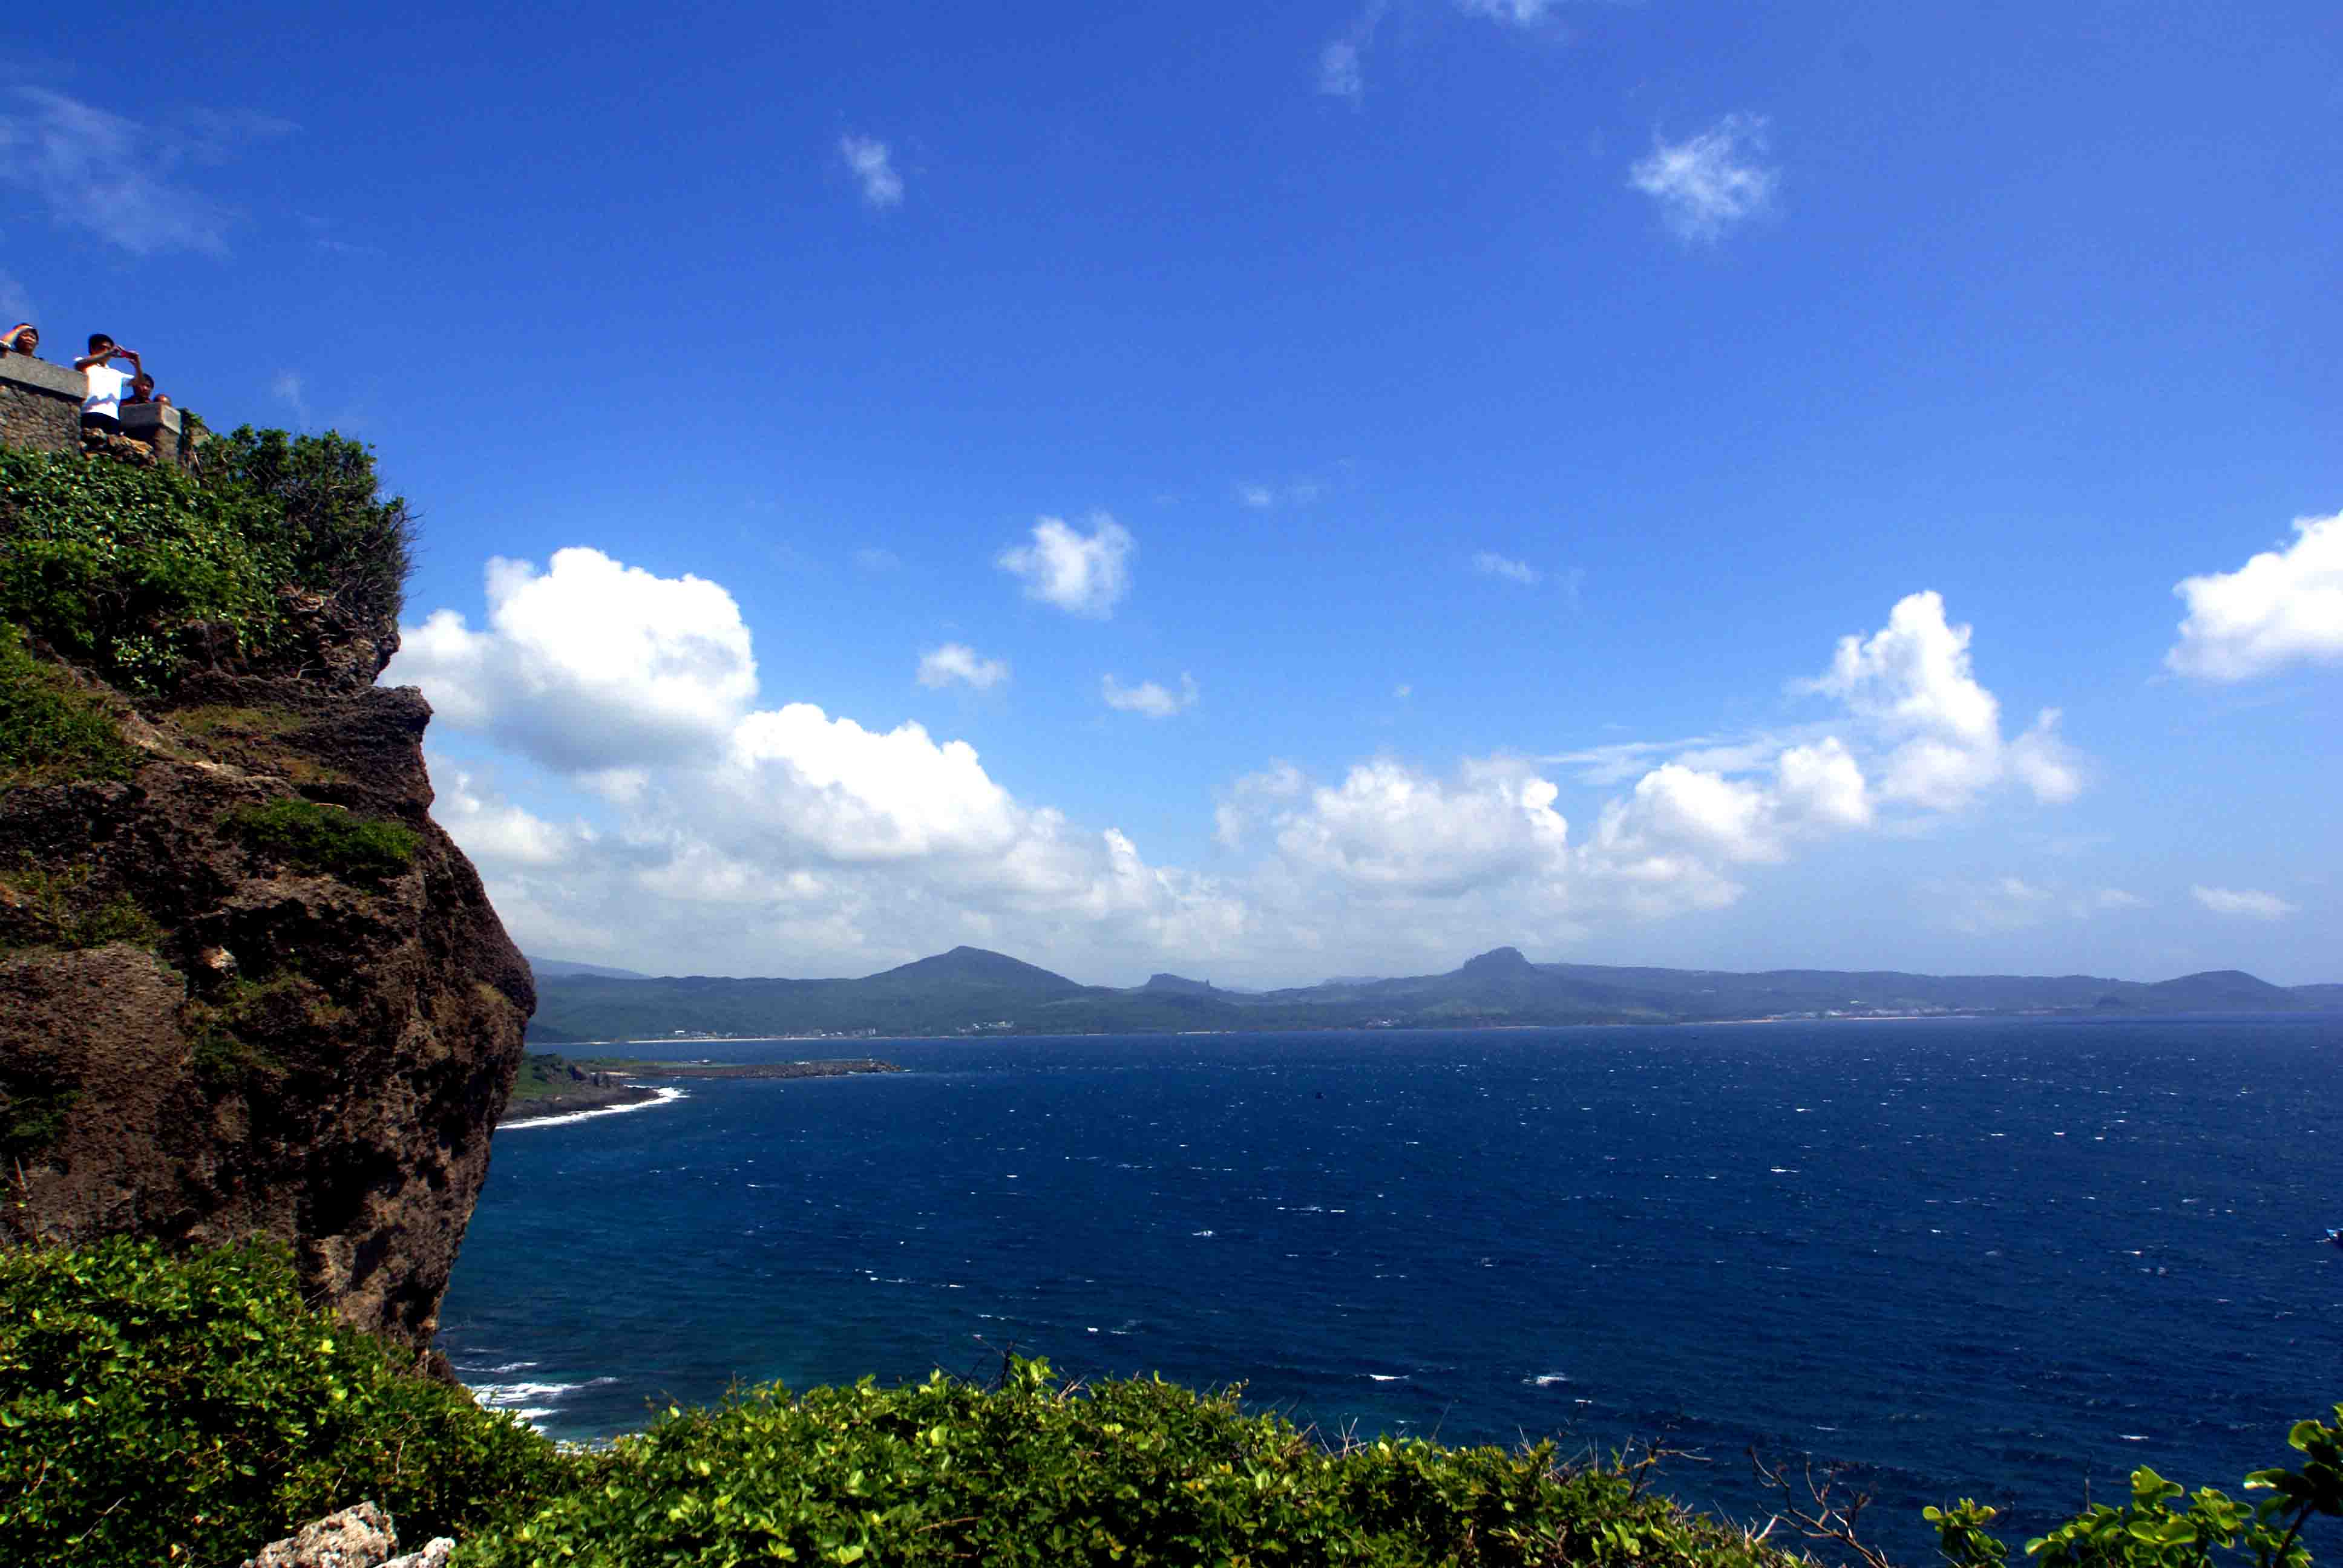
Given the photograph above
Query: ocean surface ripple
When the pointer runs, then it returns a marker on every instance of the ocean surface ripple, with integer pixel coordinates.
(1996, 1258)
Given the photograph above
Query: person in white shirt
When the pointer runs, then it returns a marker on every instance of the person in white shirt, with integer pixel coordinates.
(102, 409)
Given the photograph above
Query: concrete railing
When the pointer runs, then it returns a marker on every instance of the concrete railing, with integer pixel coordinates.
(40, 411)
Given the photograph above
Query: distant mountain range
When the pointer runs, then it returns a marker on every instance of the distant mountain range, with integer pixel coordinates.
(970, 991)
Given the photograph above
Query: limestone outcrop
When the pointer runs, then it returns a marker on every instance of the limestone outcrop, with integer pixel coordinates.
(360, 1537)
(247, 985)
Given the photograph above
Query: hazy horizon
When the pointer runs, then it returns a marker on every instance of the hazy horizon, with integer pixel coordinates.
(1355, 977)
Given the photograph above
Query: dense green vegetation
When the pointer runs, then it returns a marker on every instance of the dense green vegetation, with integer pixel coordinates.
(144, 573)
(154, 1409)
(543, 1075)
(1134, 1472)
(327, 839)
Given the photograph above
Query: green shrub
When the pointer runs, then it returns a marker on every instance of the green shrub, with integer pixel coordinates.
(51, 731)
(337, 535)
(1135, 1472)
(328, 838)
(144, 573)
(155, 1411)
(2150, 1532)
(133, 569)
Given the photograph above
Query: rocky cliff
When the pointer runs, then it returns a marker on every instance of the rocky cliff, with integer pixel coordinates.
(247, 985)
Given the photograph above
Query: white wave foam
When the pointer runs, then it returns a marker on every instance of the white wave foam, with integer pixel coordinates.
(1547, 1380)
(525, 1399)
(666, 1097)
(1386, 1377)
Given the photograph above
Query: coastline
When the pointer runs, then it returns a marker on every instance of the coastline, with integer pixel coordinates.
(597, 1096)
(552, 1114)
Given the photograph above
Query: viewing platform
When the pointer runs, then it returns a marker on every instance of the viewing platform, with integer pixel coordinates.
(40, 411)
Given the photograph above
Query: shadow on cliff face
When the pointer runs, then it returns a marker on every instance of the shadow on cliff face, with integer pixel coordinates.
(247, 984)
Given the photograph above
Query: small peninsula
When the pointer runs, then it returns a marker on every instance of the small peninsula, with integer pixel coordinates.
(550, 1085)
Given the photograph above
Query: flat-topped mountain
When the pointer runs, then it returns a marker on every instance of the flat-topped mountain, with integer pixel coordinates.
(970, 990)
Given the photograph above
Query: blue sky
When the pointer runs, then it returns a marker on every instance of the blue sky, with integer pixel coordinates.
(1266, 492)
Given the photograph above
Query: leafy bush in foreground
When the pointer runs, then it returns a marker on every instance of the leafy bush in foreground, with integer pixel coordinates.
(1134, 1473)
(2150, 1532)
(157, 1410)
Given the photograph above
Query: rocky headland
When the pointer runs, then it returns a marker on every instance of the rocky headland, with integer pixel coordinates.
(550, 1085)
(248, 986)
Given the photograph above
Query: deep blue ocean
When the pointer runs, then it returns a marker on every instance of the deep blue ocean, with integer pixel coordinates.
(1996, 1258)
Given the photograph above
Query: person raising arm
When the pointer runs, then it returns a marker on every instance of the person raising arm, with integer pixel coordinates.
(23, 338)
(102, 409)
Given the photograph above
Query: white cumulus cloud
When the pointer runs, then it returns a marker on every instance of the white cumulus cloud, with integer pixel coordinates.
(2281, 608)
(1912, 683)
(1082, 574)
(587, 663)
(747, 838)
(737, 833)
(957, 663)
(2242, 903)
(1148, 697)
(1391, 829)
(872, 164)
(1711, 180)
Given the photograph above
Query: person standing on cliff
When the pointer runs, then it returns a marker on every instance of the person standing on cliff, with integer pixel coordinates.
(102, 409)
(23, 338)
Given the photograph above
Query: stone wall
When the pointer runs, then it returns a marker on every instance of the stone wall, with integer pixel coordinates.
(40, 411)
(40, 405)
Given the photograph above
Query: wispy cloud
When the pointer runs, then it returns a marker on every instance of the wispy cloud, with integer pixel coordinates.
(1518, 13)
(1489, 563)
(1711, 180)
(1979, 908)
(1148, 697)
(871, 559)
(1269, 497)
(1343, 63)
(1339, 74)
(288, 388)
(956, 664)
(872, 161)
(2242, 903)
(95, 169)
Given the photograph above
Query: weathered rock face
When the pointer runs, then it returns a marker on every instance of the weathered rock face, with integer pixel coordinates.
(208, 1030)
